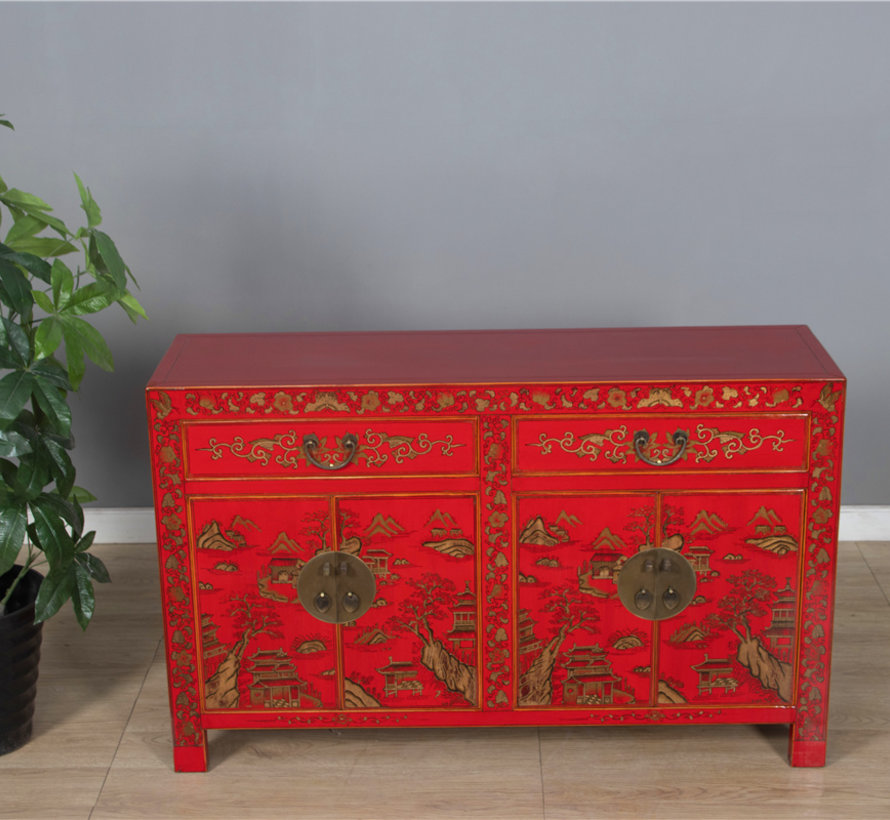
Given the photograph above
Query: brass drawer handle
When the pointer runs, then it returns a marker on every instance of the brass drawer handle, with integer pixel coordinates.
(641, 441)
(310, 446)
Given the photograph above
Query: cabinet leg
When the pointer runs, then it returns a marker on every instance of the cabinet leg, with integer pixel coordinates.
(191, 758)
(805, 752)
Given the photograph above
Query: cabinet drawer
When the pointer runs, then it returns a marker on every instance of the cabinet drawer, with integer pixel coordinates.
(382, 447)
(592, 444)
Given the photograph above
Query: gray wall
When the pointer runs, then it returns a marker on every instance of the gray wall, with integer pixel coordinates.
(375, 166)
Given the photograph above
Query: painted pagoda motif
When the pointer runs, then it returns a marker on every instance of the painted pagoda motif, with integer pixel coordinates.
(714, 674)
(589, 679)
(779, 634)
(700, 557)
(275, 683)
(378, 561)
(463, 630)
(526, 633)
(209, 641)
(400, 676)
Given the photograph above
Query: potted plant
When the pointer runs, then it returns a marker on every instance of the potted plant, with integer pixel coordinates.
(44, 341)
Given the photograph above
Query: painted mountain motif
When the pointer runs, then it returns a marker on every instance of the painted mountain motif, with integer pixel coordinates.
(384, 525)
(770, 533)
(707, 523)
(536, 533)
(213, 538)
(455, 547)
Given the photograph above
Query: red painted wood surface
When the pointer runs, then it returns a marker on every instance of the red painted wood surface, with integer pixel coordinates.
(495, 494)
(494, 357)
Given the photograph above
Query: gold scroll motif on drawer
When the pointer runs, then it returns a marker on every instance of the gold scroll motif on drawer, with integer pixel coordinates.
(439, 447)
(773, 443)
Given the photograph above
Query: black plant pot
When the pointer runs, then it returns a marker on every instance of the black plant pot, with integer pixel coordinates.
(19, 655)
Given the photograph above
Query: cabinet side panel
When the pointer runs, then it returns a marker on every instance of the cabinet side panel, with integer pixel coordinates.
(819, 573)
(165, 435)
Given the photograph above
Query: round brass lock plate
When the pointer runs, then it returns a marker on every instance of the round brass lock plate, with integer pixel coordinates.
(656, 584)
(336, 587)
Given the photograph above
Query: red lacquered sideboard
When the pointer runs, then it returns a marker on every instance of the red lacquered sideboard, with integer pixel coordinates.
(512, 528)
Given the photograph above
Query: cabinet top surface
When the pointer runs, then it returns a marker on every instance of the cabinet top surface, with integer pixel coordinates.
(494, 356)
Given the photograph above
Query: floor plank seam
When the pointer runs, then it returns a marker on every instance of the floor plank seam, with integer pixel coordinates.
(872, 573)
(541, 773)
(121, 738)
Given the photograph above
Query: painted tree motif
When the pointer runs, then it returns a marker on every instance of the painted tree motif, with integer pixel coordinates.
(251, 617)
(317, 529)
(643, 522)
(751, 596)
(570, 610)
(426, 603)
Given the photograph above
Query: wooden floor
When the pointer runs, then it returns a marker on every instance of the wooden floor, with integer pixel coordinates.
(102, 747)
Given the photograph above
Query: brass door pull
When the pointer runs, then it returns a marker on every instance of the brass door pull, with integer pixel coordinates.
(310, 446)
(656, 584)
(641, 441)
(336, 587)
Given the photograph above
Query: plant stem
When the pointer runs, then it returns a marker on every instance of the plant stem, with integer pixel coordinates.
(14, 584)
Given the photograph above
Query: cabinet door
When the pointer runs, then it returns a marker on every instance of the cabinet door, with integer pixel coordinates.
(259, 649)
(578, 646)
(417, 647)
(736, 642)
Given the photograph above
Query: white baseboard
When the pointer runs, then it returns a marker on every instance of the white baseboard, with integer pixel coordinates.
(121, 525)
(865, 524)
(136, 525)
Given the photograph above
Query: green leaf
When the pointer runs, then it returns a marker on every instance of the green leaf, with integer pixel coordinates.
(24, 227)
(93, 565)
(94, 297)
(13, 524)
(62, 470)
(91, 209)
(15, 339)
(15, 390)
(31, 263)
(43, 301)
(74, 356)
(111, 259)
(48, 337)
(32, 475)
(84, 544)
(53, 405)
(51, 371)
(25, 201)
(44, 220)
(15, 289)
(82, 495)
(83, 598)
(62, 281)
(43, 246)
(6, 124)
(132, 307)
(57, 509)
(56, 589)
(49, 530)
(13, 444)
(81, 338)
